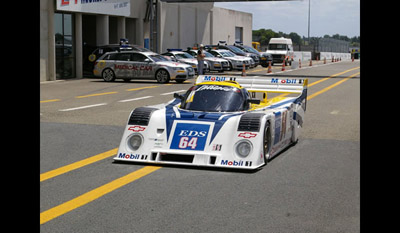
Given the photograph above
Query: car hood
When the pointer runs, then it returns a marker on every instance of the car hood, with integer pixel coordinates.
(173, 64)
(188, 60)
(214, 59)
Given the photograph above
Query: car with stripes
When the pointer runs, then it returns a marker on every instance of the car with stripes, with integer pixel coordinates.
(141, 65)
(221, 121)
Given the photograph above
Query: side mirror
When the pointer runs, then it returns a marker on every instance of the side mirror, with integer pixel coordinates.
(147, 60)
(176, 95)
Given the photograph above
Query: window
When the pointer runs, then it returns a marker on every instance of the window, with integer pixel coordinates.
(138, 57)
(239, 34)
(65, 45)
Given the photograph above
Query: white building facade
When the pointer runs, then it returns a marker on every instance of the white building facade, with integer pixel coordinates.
(71, 29)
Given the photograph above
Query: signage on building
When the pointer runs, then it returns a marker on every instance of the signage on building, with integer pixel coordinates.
(108, 7)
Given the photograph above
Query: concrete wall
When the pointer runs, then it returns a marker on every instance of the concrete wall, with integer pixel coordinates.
(184, 25)
(224, 23)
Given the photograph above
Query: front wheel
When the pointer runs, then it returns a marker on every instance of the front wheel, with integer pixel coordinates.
(108, 75)
(162, 76)
(266, 142)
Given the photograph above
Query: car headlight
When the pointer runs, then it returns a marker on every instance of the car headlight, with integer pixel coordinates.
(243, 148)
(135, 141)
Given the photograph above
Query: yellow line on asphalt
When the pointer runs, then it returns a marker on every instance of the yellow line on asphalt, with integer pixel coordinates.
(97, 94)
(47, 101)
(324, 79)
(140, 88)
(331, 86)
(92, 195)
(76, 165)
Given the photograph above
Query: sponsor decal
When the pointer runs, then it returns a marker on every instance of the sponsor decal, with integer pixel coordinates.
(218, 78)
(217, 147)
(190, 136)
(132, 67)
(247, 135)
(287, 81)
(232, 163)
(136, 128)
(235, 163)
(132, 156)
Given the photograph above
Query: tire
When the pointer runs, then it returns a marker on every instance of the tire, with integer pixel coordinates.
(266, 142)
(162, 76)
(108, 75)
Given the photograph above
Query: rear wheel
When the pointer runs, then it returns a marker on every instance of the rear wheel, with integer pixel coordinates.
(266, 142)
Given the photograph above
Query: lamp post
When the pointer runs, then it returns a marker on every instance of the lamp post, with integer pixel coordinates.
(309, 3)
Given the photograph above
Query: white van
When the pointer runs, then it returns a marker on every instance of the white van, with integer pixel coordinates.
(280, 48)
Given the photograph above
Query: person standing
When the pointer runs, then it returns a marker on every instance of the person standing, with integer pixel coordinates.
(200, 59)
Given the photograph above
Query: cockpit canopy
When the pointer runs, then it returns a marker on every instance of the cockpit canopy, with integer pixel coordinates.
(215, 98)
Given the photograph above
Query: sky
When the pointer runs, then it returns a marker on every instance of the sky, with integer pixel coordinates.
(328, 17)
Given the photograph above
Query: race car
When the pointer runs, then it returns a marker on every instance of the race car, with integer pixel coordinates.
(221, 121)
(140, 65)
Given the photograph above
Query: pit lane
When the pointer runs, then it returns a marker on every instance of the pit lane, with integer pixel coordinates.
(310, 187)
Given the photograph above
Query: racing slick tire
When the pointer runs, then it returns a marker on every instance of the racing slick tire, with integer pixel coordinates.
(266, 142)
(108, 75)
(296, 127)
(162, 76)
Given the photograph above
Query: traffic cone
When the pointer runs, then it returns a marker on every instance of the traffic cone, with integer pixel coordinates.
(310, 62)
(352, 58)
(269, 67)
(283, 65)
(324, 60)
(333, 60)
(244, 70)
(299, 63)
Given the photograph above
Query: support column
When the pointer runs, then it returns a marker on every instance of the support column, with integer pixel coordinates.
(102, 34)
(121, 28)
(51, 74)
(78, 46)
(139, 32)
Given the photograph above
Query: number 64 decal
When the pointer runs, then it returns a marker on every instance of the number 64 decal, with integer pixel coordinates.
(185, 143)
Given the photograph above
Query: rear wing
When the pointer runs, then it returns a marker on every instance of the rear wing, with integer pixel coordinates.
(261, 83)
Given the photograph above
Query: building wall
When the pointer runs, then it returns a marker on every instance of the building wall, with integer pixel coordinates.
(179, 26)
(224, 23)
(184, 25)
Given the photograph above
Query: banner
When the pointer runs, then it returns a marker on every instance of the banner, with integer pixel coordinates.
(107, 7)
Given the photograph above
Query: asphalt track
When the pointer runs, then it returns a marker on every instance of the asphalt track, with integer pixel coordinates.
(313, 186)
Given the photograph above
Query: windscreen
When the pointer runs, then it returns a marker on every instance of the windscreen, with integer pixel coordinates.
(277, 47)
(213, 98)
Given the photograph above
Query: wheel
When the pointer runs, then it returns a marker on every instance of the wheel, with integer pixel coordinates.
(108, 75)
(266, 142)
(162, 76)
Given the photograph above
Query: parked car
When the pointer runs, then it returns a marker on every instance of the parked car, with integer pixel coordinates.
(239, 52)
(235, 62)
(140, 65)
(215, 63)
(88, 63)
(264, 57)
(184, 57)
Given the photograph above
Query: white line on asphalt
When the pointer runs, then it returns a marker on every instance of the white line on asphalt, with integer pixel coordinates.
(82, 107)
(140, 98)
(172, 92)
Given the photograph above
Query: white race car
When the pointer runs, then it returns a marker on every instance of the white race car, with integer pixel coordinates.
(218, 122)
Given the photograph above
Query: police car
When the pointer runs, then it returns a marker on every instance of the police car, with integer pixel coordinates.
(140, 65)
(221, 121)
(236, 62)
(184, 57)
(215, 63)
